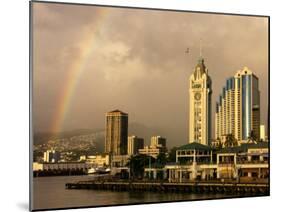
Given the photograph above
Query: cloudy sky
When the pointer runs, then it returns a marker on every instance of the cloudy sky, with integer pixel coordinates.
(88, 60)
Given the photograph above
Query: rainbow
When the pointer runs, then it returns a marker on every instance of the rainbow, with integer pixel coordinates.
(77, 67)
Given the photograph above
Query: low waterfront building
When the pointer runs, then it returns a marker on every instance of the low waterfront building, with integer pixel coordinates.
(246, 162)
(37, 166)
(119, 160)
(194, 152)
(98, 160)
(226, 163)
(255, 163)
(194, 161)
(155, 172)
(61, 166)
(60, 169)
(118, 166)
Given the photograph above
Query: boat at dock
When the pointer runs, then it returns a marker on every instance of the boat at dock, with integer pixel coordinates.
(98, 170)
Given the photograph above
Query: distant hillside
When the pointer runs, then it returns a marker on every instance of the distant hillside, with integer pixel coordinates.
(43, 137)
(174, 137)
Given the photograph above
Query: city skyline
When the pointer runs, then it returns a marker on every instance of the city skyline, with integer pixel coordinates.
(136, 71)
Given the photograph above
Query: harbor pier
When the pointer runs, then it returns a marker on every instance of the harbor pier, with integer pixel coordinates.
(191, 187)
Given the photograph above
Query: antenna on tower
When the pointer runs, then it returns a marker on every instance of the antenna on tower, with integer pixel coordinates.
(200, 47)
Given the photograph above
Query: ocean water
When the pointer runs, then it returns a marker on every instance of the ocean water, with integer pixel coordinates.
(50, 193)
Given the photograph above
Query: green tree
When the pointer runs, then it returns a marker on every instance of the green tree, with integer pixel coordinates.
(137, 164)
(172, 155)
(161, 159)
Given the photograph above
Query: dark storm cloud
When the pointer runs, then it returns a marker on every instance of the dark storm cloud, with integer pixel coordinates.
(138, 62)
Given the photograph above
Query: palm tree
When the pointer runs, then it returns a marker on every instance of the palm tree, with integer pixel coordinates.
(252, 138)
(230, 141)
(219, 143)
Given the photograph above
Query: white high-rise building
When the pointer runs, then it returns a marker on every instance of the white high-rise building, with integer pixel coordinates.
(238, 108)
(200, 92)
(225, 110)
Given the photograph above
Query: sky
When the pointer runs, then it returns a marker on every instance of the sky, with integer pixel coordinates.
(89, 60)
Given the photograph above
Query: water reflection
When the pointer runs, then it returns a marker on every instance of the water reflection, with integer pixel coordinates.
(50, 192)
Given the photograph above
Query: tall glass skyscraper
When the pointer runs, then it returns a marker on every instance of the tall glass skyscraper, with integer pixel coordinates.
(238, 108)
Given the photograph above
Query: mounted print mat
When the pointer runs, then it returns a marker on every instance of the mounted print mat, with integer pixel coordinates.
(137, 106)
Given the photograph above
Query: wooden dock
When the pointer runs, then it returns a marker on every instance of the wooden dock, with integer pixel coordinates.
(192, 187)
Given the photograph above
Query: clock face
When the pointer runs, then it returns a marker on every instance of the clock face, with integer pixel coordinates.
(197, 96)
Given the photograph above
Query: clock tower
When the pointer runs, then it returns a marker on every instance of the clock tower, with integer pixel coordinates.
(200, 91)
